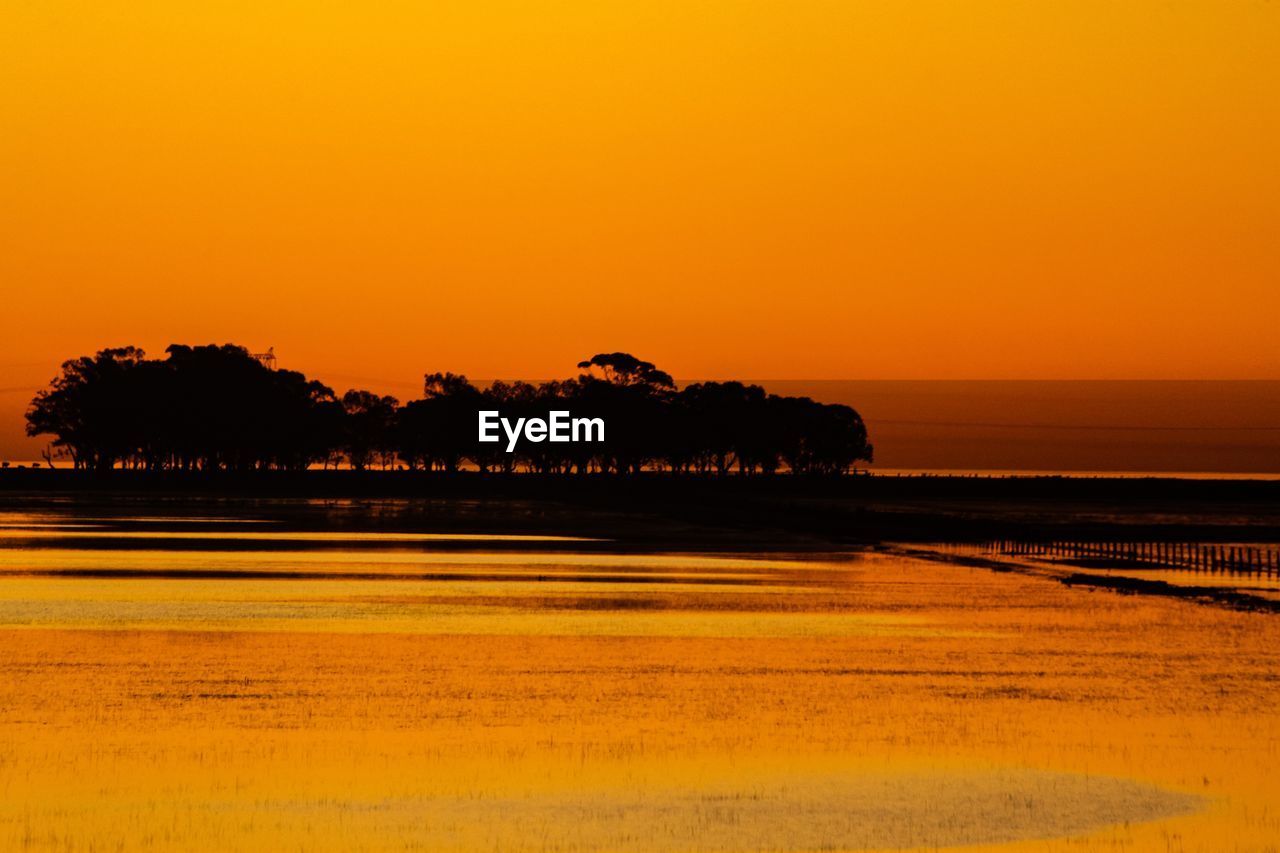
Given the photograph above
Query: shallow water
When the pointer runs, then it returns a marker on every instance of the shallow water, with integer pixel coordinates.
(300, 678)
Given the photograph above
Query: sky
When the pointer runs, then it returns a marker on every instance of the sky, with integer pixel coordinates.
(838, 190)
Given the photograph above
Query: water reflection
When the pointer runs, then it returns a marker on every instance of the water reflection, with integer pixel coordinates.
(243, 578)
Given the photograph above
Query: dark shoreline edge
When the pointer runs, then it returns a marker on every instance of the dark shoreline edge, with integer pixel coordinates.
(405, 483)
(798, 511)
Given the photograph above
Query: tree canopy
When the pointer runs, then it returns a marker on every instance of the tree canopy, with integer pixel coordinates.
(217, 408)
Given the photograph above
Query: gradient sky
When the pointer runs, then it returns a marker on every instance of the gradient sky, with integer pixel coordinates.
(756, 189)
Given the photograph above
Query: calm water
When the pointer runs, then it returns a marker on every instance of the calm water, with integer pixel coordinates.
(62, 568)
(450, 676)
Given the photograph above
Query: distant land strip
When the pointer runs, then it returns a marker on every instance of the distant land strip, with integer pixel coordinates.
(1096, 427)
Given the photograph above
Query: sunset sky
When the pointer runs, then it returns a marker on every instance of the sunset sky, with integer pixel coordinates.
(752, 189)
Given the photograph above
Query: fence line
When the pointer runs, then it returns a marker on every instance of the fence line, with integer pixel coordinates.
(1261, 559)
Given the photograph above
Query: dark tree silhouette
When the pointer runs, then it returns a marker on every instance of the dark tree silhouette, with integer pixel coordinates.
(204, 408)
(439, 431)
(720, 417)
(217, 408)
(817, 438)
(370, 424)
(89, 408)
(623, 368)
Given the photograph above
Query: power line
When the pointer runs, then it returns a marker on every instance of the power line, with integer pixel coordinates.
(1095, 427)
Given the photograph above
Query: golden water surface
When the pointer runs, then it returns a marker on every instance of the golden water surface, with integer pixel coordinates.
(166, 688)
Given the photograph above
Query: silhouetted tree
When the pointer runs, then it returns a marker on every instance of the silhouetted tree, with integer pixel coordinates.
(817, 438)
(623, 368)
(88, 408)
(370, 423)
(439, 431)
(720, 419)
(203, 408)
(632, 397)
(217, 408)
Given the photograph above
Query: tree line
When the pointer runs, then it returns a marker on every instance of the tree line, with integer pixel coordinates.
(217, 408)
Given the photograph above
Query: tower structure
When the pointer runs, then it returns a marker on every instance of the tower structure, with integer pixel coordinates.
(266, 359)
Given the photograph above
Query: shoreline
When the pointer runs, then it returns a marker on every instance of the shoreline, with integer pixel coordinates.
(700, 510)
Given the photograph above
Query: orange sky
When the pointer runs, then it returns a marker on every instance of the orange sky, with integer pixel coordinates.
(760, 189)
